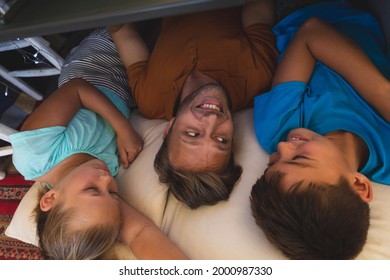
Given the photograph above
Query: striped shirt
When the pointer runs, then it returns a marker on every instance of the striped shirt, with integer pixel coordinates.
(96, 60)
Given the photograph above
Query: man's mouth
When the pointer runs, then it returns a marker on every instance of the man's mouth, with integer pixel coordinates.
(209, 106)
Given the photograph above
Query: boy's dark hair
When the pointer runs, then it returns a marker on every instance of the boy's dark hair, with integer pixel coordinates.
(196, 188)
(312, 220)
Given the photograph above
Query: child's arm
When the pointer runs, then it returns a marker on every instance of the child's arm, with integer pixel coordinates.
(258, 11)
(317, 40)
(60, 107)
(145, 239)
(130, 45)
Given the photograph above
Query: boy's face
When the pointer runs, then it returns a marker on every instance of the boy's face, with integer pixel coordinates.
(201, 137)
(91, 191)
(308, 156)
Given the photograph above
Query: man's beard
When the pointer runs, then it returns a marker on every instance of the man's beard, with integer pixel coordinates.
(188, 99)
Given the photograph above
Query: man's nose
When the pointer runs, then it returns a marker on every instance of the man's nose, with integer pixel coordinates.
(211, 114)
(212, 118)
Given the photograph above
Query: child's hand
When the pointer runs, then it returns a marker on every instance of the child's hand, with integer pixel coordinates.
(129, 145)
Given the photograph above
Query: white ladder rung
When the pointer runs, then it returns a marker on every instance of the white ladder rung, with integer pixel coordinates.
(5, 132)
(44, 49)
(42, 46)
(20, 84)
(35, 72)
(5, 151)
(12, 45)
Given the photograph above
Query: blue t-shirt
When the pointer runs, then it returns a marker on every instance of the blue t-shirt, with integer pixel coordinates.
(38, 151)
(328, 103)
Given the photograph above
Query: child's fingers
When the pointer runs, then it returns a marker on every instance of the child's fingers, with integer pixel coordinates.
(123, 157)
(133, 153)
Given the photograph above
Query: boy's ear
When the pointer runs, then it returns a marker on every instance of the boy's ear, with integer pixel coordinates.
(47, 200)
(168, 127)
(362, 186)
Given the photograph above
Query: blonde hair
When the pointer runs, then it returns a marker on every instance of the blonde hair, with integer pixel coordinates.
(58, 242)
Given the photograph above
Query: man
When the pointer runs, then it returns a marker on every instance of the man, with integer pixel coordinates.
(203, 67)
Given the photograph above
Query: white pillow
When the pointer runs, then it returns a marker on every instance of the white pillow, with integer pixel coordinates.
(138, 184)
(23, 225)
(377, 246)
(223, 231)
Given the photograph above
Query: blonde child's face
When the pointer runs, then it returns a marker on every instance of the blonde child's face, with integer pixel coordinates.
(91, 191)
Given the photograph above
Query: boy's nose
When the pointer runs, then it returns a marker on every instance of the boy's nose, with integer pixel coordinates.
(285, 149)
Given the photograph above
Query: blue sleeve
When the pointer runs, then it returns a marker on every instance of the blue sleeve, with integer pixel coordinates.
(34, 150)
(38, 151)
(277, 112)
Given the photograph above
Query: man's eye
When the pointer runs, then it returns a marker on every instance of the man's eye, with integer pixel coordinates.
(221, 140)
(192, 134)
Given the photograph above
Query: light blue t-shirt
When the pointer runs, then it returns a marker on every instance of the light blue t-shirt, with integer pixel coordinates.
(328, 103)
(38, 151)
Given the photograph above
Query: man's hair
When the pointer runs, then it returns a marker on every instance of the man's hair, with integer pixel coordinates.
(312, 220)
(58, 242)
(196, 188)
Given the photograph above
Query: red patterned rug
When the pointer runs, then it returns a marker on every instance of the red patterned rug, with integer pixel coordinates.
(12, 190)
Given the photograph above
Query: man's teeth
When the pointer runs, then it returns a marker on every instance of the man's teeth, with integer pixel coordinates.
(211, 106)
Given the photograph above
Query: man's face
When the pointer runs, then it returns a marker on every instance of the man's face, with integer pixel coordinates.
(201, 136)
(306, 155)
